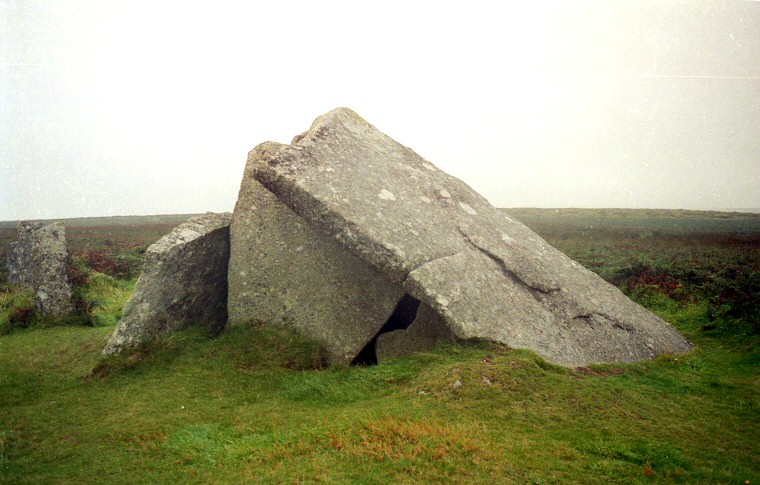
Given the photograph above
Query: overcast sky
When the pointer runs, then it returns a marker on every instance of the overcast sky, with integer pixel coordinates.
(131, 107)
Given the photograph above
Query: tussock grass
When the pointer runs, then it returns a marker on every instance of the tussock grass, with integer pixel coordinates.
(98, 301)
(16, 308)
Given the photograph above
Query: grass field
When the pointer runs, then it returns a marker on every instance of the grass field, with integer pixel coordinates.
(250, 406)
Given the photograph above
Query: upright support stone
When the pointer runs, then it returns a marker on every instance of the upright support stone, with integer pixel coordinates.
(284, 271)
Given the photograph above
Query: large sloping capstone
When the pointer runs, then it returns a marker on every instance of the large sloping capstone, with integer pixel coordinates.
(284, 271)
(39, 259)
(183, 283)
(486, 275)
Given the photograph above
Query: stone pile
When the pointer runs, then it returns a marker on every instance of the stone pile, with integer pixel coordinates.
(360, 243)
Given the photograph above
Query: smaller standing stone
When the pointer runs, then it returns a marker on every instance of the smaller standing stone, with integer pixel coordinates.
(39, 259)
(20, 258)
(183, 283)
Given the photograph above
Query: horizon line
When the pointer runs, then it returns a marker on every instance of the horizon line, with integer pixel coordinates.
(745, 210)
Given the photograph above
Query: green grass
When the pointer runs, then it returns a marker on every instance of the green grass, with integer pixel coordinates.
(230, 409)
(15, 304)
(105, 296)
(98, 300)
(255, 404)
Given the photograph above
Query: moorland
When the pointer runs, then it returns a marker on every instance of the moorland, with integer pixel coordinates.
(255, 403)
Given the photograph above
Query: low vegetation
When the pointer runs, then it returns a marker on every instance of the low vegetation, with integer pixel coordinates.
(107, 255)
(256, 404)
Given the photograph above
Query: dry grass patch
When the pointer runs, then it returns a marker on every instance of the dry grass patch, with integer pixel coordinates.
(394, 438)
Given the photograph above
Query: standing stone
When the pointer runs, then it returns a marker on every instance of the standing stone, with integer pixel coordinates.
(39, 259)
(486, 275)
(20, 260)
(183, 283)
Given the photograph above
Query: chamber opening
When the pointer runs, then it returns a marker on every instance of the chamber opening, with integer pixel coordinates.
(403, 316)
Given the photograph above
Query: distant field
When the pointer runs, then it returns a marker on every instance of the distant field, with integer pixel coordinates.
(632, 222)
(118, 241)
(666, 221)
(113, 233)
(110, 221)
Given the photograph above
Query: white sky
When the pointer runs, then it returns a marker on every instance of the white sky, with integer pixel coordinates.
(135, 107)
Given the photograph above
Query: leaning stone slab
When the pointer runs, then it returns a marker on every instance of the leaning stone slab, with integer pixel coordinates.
(183, 283)
(485, 274)
(39, 259)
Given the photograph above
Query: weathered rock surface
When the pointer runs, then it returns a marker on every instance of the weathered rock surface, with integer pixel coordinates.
(20, 259)
(486, 275)
(183, 283)
(39, 259)
(284, 271)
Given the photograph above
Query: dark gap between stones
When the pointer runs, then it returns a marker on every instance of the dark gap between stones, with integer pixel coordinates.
(403, 316)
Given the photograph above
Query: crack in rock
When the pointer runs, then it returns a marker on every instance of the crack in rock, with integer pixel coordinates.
(615, 322)
(505, 269)
(423, 263)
